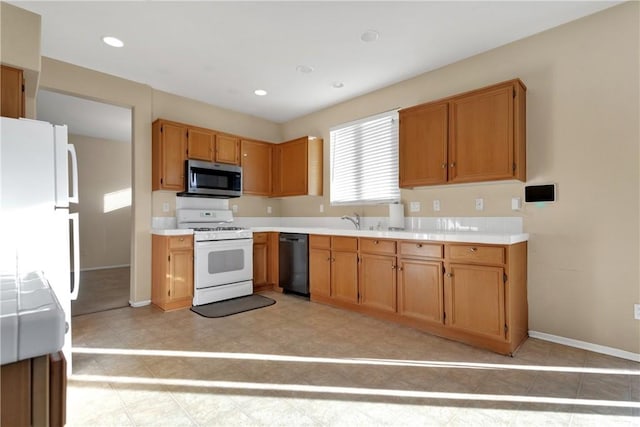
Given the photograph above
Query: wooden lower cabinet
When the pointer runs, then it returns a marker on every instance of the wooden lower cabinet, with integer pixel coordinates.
(12, 100)
(34, 391)
(420, 290)
(172, 271)
(265, 261)
(475, 300)
(471, 293)
(378, 282)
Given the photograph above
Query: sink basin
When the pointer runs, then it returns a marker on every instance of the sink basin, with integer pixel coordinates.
(31, 319)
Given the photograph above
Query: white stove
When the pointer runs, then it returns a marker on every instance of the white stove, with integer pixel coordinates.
(223, 255)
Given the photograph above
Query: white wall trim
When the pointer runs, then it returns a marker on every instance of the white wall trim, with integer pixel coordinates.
(140, 303)
(106, 267)
(596, 348)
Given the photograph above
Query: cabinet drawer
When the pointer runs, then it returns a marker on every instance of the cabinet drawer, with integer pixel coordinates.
(339, 243)
(476, 253)
(378, 246)
(420, 249)
(179, 242)
(260, 237)
(321, 242)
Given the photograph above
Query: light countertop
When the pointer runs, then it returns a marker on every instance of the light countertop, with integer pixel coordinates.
(438, 236)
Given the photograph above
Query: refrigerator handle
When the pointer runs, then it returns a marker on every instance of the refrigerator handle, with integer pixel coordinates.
(76, 255)
(73, 198)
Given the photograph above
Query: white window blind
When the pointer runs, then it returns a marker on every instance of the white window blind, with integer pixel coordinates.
(364, 161)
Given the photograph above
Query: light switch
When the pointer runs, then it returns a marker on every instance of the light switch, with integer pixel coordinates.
(234, 208)
(479, 204)
(321, 208)
(269, 209)
(165, 207)
(516, 203)
(414, 207)
(436, 205)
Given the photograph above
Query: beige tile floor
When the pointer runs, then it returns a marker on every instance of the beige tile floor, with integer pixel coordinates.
(101, 290)
(298, 363)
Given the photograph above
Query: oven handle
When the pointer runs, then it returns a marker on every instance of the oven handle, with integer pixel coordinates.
(220, 244)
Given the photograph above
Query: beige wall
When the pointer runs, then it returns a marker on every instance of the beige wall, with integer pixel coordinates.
(582, 133)
(20, 47)
(104, 167)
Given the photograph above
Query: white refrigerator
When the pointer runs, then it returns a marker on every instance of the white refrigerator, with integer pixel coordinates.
(38, 233)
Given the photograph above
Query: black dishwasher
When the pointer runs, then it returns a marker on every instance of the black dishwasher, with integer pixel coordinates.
(294, 263)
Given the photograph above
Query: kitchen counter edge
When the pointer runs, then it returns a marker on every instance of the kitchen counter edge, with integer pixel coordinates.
(171, 231)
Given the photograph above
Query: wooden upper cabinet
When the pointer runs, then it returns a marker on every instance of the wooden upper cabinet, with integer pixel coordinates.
(423, 144)
(297, 167)
(169, 151)
(482, 140)
(255, 159)
(12, 102)
(227, 149)
(477, 136)
(200, 144)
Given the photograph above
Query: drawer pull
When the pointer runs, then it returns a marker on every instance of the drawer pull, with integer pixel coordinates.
(473, 249)
(375, 242)
(449, 274)
(418, 245)
(182, 239)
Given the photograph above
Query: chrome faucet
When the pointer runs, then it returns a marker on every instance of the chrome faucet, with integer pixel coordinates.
(355, 220)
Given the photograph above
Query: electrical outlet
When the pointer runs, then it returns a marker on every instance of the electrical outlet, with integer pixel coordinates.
(636, 311)
(414, 207)
(321, 208)
(165, 207)
(479, 204)
(436, 205)
(234, 208)
(269, 210)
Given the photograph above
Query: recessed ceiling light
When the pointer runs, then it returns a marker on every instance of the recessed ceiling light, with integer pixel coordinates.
(370, 36)
(305, 69)
(260, 92)
(113, 41)
(337, 85)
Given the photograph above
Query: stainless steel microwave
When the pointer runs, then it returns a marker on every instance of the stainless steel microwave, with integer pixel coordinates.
(209, 179)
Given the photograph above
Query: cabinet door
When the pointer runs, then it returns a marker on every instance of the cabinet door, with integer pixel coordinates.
(420, 290)
(319, 272)
(181, 274)
(200, 144)
(294, 167)
(227, 149)
(11, 92)
(481, 136)
(475, 300)
(173, 154)
(256, 167)
(260, 263)
(344, 276)
(378, 282)
(423, 145)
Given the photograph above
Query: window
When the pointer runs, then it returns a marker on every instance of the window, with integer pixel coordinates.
(364, 161)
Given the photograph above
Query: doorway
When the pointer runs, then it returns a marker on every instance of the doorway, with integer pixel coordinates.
(101, 135)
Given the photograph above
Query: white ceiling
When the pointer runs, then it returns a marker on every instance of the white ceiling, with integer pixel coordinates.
(220, 52)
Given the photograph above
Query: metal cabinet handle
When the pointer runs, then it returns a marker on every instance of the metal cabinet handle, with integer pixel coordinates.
(418, 245)
(473, 249)
(444, 165)
(449, 274)
(453, 164)
(375, 242)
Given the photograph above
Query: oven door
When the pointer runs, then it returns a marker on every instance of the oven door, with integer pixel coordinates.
(222, 262)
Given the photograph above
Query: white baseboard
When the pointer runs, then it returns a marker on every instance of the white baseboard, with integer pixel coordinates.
(596, 348)
(105, 267)
(139, 303)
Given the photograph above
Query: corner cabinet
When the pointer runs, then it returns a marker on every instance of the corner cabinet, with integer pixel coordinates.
(297, 167)
(172, 271)
(472, 137)
(12, 100)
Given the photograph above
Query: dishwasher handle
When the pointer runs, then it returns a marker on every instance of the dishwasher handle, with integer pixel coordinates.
(290, 238)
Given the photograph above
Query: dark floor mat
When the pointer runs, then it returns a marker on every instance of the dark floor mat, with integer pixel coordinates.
(233, 306)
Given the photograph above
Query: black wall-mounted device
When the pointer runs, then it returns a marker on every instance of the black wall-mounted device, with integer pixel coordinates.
(540, 193)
